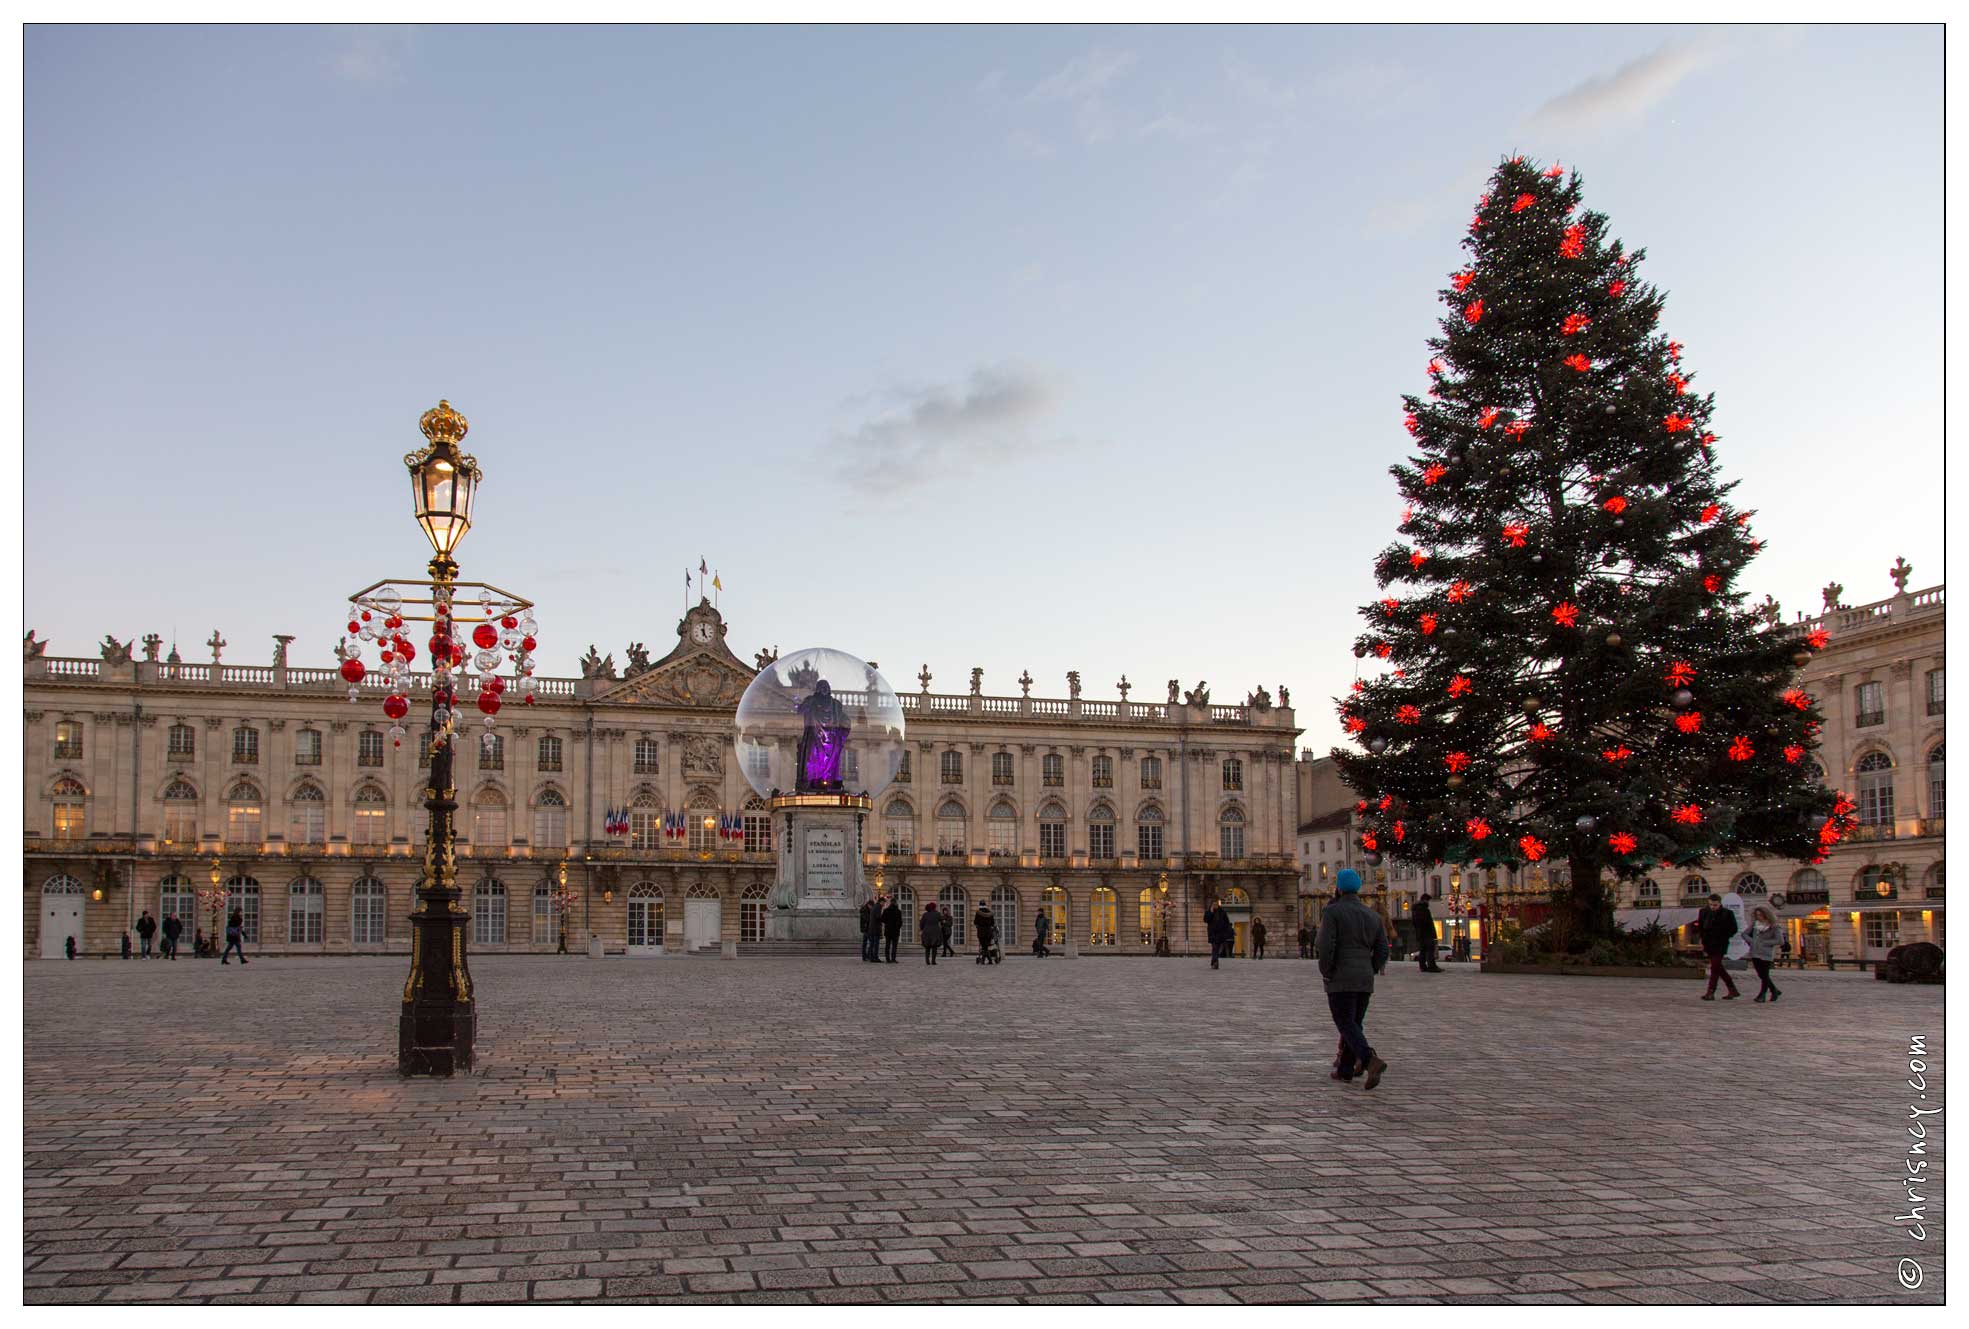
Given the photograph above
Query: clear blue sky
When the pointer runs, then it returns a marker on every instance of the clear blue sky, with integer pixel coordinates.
(1062, 348)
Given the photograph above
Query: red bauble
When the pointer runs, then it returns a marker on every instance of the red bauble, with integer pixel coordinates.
(440, 646)
(365, 615)
(498, 684)
(1615, 505)
(485, 636)
(489, 702)
(1712, 583)
(396, 707)
(352, 671)
(527, 643)
(354, 626)
(509, 622)
(406, 650)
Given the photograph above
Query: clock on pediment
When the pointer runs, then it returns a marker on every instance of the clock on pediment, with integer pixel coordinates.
(700, 671)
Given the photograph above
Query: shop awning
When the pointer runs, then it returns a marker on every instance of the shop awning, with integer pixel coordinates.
(1635, 919)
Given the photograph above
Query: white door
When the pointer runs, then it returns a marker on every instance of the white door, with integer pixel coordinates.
(61, 918)
(700, 923)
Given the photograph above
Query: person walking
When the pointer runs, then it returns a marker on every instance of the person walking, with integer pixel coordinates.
(891, 929)
(1042, 929)
(949, 928)
(235, 938)
(69, 946)
(1257, 938)
(1763, 938)
(1305, 942)
(126, 944)
(1218, 930)
(173, 929)
(1353, 948)
(930, 929)
(1716, 925)
(1425, 934)
(986, 928)
(146, 929)
(871, 924)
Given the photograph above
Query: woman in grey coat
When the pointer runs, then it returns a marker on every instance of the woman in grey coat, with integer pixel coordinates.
(1764, 936)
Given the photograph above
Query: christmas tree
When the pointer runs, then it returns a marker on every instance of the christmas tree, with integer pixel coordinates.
(1572, 675)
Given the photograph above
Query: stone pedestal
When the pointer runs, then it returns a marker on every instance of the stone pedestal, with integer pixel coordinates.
(818, 895)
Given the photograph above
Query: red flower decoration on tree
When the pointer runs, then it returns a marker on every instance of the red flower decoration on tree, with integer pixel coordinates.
(1578, 362)
(1532, 846)
(1793, 752)
(1477, 827)
(1677, 423)
(1409, 715)
(1473, 313)
(1461, 280)
(1427, 623)
(1707, 439)
(1553, 172)
(1615, 505)
(1689, 723)
(1523, 201)
(1413, 425)
(1417, 559)
(1617, 754)
(1361, 806)
(1678, 383)
(1675, 352)
(1712, 583)
(1517, 428)
(1435, 367)
(1710, 513)
(1841, 805)
(1401, 832)
(1566, 614)
(1383, 650)
(1817, 638)
(1617, 288)
(1688, 814)
(1797, 698)
(1575, 323)
(1389, 606)
(1368, 841)
(1459, 591)
(1539, 732)
(1740, 750)
(1387, 801)
(1680, 674)
(1514, 535)
(1355, 724)
(1359, 686)
(1457, 761)
(1459, 685)
(1621, 842)
(1488, 418)
(1574, 244)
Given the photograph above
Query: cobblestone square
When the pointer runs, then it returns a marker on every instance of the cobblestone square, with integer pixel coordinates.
(1092, 1130)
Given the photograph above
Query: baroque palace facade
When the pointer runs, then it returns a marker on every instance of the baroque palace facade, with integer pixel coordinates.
(180, 788)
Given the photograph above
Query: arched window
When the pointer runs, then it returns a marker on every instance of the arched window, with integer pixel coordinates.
(1052, 770)
(1100, 832)
(1809, 883)
(307, 816)
(489, 820)
(1101, 912)
(1935, 784)
(1151, 772)
(1233, 773)
(549, 819)
(183, 741)
(245, 745)
(71, 809)
(544, 914)
(547, 753)
(243, 894)
(372, 822)
(1052, 831)
(952, 837)
(175, 896)
(1005, 910)
(951, 766)
(645, 915)
(1695, 887)
(244, 814)
(757, 824)
(369, 748)
(752, 912)
(906, 901)
(1230, 834)
(1102, 772)
(492, 752)
(1002, 830)
(1749, 883)
(959, 905)
(1649, 890)
(1876, 781)
(898, 827)
(63, 909)
(1145, 916)
(368, 912)
(1148, 834)
(304, 912)
(61, 884)
(645, 821)
(1053, 902)
(489, 912)
(702, 816)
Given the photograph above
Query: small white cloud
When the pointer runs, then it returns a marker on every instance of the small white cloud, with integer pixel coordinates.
(944, 431)
(1629, 92)
(1083, 84)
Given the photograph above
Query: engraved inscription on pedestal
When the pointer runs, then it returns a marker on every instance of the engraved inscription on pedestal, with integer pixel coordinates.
(826, 879)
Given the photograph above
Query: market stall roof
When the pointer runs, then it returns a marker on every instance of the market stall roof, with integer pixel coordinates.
(1636, 919)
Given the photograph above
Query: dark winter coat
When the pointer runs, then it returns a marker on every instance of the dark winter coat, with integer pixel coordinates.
(948, 924)
(1716, 927)
(930, 928)
(986, 926)
(1352, 945)
(1217, 925)
(173, 927)
(869, 917)
(1258, 930)
(1425, 922)
(892, 921)
(146, 926)
(1042, 929)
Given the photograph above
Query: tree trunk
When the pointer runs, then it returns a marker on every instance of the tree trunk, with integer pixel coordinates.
(1589, 916)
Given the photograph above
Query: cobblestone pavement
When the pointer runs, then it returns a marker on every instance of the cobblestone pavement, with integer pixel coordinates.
(1100, 1130)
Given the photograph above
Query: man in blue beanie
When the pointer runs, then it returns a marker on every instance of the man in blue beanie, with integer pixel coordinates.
(1352, 948)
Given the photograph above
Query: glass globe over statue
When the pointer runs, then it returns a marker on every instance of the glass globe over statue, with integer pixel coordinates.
(819, 722)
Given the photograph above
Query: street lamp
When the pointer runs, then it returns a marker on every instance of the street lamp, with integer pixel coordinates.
(436, 1030)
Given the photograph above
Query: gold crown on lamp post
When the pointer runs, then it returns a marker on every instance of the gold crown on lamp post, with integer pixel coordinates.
(442, 424)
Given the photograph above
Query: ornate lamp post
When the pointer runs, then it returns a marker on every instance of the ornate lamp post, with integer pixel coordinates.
(436, 1031)
(213, 897)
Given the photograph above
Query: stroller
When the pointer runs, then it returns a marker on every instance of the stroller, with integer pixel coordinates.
(988, 950)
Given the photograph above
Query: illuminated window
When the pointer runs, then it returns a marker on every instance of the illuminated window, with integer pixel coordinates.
(243, 814)
(1053, 903)
(307, 816)
(645, 822)
(544, 915)
(1935, 782)
(758, 827)
(898, 827)
(372, 817)
(1101, 917)
(71, 809)
(68, 740)
(1145, 916)
(953, 838)
(180, 813)
(701, 819)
